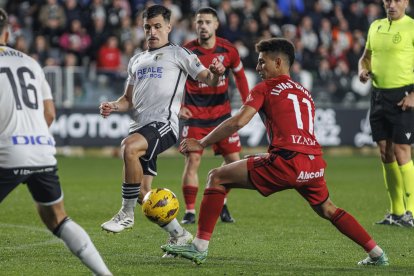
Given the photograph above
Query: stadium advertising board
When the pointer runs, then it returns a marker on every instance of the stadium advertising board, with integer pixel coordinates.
(85, 127)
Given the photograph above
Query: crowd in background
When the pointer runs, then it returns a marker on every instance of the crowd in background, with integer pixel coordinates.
(329, 35)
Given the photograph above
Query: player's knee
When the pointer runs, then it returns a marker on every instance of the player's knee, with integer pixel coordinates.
(130, 150)
(213, 179)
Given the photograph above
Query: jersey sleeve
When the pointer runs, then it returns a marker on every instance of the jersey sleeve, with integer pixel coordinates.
(368, 43)
(131, 79)
(190, 63)
(256, 98)
(44, 85)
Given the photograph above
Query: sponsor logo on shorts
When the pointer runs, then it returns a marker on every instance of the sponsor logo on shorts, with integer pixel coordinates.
(304, 175)
(234, 139)
(30, 171)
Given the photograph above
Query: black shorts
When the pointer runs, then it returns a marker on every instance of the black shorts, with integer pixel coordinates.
(160, 137)
(387, 119)
(43, 183)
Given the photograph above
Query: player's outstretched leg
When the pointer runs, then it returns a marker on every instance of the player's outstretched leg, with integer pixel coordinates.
(351, 228)
(124, 219)
(79, 243)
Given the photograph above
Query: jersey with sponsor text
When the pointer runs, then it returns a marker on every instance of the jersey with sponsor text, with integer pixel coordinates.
(158, 77)
(25, 140)
(288, 112)
(211, 105)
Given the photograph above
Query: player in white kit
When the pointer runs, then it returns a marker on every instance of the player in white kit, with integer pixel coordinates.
(155, 85)
(27, 149)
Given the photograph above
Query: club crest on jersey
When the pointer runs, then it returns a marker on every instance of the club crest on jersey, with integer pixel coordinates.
(158, 56)
(396, 38)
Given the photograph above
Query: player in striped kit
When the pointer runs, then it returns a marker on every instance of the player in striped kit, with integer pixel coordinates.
(27, 149)
(205, 107)
(155, 85)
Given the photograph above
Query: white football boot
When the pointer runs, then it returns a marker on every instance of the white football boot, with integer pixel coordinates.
(118, 223)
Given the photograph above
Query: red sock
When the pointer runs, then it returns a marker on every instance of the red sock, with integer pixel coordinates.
(209, 212)
(190, 195)
(351, 228)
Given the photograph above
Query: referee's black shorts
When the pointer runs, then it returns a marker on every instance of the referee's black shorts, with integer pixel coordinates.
(387, 119)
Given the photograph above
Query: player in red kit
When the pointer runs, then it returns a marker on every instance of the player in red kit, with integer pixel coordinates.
(205, 107)
(293, 161)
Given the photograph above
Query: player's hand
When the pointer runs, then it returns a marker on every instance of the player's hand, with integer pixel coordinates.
(364, 75)
(190, 144)
(185, 113)
(216, 67)
(106, 108)
(407, 103)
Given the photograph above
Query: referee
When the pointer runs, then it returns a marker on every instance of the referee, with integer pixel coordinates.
(388, 60)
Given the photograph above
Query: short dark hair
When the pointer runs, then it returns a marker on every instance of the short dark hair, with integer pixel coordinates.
(156, 10)
(277, 45)
(207, 10)
(4, 20)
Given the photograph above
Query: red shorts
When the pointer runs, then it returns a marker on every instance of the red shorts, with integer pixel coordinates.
(302, 172)
(223, 147)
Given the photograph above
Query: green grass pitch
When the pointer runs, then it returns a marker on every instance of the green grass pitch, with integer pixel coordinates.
(277, 235)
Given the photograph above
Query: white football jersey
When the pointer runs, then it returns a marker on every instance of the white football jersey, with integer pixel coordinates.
(25, 140)
(158, 78)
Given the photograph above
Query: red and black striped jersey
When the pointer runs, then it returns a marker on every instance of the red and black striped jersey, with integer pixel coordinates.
(210, 105)
(288, 112)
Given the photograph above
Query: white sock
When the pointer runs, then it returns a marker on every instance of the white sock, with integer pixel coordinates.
(225, 201)
(192, 211)
(375, 252)
(130, 193)
(174, 228)
(201, 245)
(79, 243)
(128, 206)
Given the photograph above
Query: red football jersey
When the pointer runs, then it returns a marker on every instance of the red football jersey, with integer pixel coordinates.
(288, 112)
(210, 105)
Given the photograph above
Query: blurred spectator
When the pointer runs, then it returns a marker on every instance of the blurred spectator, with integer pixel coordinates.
(125, 32)
(324, 85)
(355, 16)
(292, 10)
(116, 11)
(269, 18)
(99, 33)
(342, 83)
(176, 13)
(325, 33)
(128, 51)
(307, 35)
(21, 44)
(52, 15)
(40, 50)
(342, 35)
(109, 58)
(232, 31)
(52, 20)
(303, 76)
(353, 56)
(76, 40)
(73, 11)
